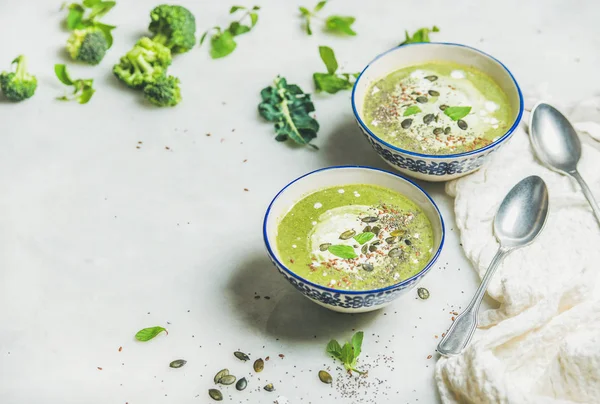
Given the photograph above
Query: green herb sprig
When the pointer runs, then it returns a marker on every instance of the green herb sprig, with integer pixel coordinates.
(332, 82)
(335, 24)
(222, 41)
(146, 334)
(348, 353)
(288, 107)
(421, 35)
(82, 88)
(87, 14)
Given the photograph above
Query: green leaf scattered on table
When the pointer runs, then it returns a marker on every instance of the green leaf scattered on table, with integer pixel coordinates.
(334, 24)
(149, 333)
(222, 41)
(288, 107)
(332, 82)
(349, 353)
(82, 88)
(413, 109)
(421, 35)
(364, 237)
(342, 251)
(87, 15)
(456, 113)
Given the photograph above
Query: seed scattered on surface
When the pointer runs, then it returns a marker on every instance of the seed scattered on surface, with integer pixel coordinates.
(281, 355)
(348, 234)
(221, 373)
(241, 384)
(367, 267)
(433, 93)
(324, 246)
(259, 365)
(447, 130)
(269, 387)
(215, 394)
(422, 99)
(407, 242)
(443, 107)
(364, 249)
(367, 229)
(431, 78)
(462, 124)
(325, 377)
(406, 123)
(375, 230)
(428, 118)
(242, 356)
(177, 363)
(395, 252)
(227, 380)
(438, 131)
(423, 293)
(390, 240)
(369, 219)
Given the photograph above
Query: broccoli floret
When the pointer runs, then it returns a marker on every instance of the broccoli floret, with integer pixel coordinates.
(18, 85)
(174, 27)
(144, 64)
(164, 92)
(87, 45)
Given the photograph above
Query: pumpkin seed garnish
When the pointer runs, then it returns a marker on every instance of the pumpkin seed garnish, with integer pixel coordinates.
(443, 107)
(375, 230)
(447, 130)
(269, 387)
(395, 252)
(376, 242)
(242, 356)
(431, 78)
(324, 246)
(227, 380)
(390, 240)
(407, 242)
(241, 384)
(398, 233)
(433, 93)
(219, 375)
(369, 219)
(367, 229)
(406, 123)
(438, 131)
(325, 377)
(423, 293)
(364, 249)
(428, 118)
(259, 365)
(462, 124)
(367, 267)
(422, 99)
(215, 394)
(372, 248)
(348, 234)
(177, 363)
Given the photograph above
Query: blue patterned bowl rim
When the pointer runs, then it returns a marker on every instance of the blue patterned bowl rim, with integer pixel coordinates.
(355, 292)
(438, 156)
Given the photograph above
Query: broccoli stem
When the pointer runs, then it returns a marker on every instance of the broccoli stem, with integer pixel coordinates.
(161, 39)
(21, 72)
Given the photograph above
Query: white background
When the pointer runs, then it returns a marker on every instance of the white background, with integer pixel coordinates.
(99, 239)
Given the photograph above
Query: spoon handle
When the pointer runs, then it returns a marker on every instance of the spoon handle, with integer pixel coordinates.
(588, 193)
(460, 333)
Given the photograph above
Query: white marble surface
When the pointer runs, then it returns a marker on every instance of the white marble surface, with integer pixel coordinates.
(99, 239)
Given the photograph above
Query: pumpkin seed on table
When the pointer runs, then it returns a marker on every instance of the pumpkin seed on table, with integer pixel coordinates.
(422, 99)
(324, 246)
(215, 394)
(369, 219)
(423, 293)
(269, 387)
(462, 124)
(220, 374)
(428, 118)
(434, 93)
(241, 356)
(241, 384)
(177, 363)
(227, 380)
(348, 234)
(432, 77)
(406, 123)
(325, 377)
(259, 365)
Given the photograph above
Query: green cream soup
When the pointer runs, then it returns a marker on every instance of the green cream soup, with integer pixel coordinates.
(437, 108)
(355, 237)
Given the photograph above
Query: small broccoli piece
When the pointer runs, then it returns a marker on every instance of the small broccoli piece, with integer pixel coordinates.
(87, 45)
(144, 64)
(164, 92)
(174, 27)
(18, 85)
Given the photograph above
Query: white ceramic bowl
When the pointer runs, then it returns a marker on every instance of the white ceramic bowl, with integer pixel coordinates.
(342, 300)
(426, 166)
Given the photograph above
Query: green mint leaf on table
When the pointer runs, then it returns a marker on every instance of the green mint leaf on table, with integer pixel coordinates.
(75, 17)
(236, 8)
(334, 349)
(456, 113)
(349, 353)
(107, 31)
(340, 25)
(357, 340)
(288, 107)
(147, 334)
(364, 237)
(62, 74)
(306, 14)
(222, 44)
(83, 89)
(238, 29)
(222, 41)
(328, 57)
(342, 251)
(412, 110)
(332, 82)
(319, 6)
(421, 35)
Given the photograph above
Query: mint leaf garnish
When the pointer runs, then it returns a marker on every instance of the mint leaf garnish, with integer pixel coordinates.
(364, 237)
(342, 251)
(412, 110)
(456, 113)
(421, 35)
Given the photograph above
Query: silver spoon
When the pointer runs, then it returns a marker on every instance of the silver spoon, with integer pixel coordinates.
(557, 145)
(520, 218)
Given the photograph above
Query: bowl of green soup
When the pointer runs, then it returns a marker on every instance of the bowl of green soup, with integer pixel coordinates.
(353, 238)
(435, 111)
